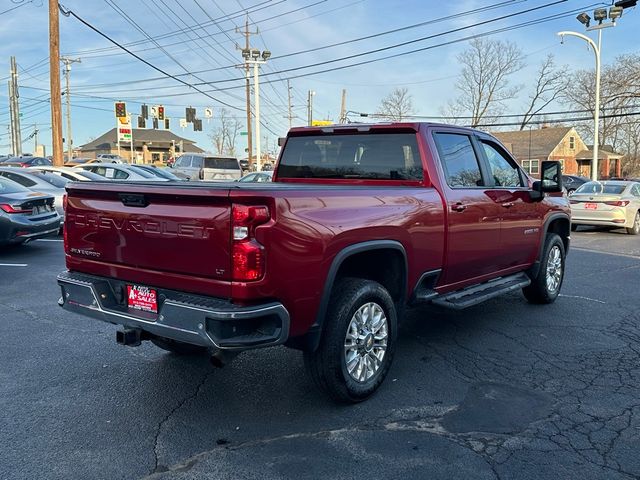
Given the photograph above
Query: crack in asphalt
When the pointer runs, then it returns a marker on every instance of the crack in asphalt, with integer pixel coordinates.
(160, 468)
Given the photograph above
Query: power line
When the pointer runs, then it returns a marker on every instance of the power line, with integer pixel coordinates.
(561, 120)
(66, 13)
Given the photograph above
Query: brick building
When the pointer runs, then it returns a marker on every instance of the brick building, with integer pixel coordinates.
(531, 147)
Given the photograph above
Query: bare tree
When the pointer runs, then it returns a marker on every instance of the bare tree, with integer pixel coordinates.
(484, 81)
(397, 106)
(225, 134)
(550, 85)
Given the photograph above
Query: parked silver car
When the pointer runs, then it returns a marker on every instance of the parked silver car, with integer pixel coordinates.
(206, 166)
(609, 203)
(118, 171)
(74, 174)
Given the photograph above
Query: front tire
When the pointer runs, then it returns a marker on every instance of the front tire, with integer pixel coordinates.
(545, 286)
(635, 228)
(358, 341)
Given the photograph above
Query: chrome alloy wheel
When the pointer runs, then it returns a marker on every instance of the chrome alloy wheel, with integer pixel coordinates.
(365, 344)
(554, 269)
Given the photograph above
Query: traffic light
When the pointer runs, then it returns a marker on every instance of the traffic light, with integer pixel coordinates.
(141, 122)
(121, 109)
(197, 125)
(145, 111)
(160, 112)
(155, 123)
(166, 124)
(190, 114)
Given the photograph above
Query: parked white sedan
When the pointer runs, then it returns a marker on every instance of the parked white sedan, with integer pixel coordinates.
(612, 203)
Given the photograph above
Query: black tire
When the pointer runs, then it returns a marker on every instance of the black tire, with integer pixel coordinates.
(540, 290)
(635, 228)
(327, 366)
(574, 227)
(179, 348)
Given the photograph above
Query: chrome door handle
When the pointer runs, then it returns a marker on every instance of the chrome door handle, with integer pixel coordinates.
(458, 207)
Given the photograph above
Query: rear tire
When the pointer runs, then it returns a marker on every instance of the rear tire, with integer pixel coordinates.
(358, 341)
(179, 348)
(635, 228)
(545, 286)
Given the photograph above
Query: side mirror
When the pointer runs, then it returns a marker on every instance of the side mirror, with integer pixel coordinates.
(550, 180)
(281, 141)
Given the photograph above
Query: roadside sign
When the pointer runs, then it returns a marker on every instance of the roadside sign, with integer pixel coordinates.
(125, 132)
(244, 133)
(321, 123)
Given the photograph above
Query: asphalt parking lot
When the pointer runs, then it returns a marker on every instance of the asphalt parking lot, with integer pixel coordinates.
(503, 390)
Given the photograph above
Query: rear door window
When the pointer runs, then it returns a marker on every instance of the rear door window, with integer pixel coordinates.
(380, 156)
(459, 160)
(118, 174)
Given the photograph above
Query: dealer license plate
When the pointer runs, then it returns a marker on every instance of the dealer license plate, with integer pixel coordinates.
(142, 298)
(591, 206)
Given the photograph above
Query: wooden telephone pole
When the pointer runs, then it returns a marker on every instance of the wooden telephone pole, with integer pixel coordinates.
(54, 76)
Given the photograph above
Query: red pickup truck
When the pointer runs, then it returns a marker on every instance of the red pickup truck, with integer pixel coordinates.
(360, 221)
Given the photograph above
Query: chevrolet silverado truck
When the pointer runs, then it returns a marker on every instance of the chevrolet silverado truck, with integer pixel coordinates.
(360, 222)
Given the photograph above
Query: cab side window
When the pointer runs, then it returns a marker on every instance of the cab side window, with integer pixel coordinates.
(503, 171)
(459, 160)
(197, 162)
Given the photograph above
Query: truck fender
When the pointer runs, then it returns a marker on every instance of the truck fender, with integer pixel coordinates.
(311, 339)
(535, 268)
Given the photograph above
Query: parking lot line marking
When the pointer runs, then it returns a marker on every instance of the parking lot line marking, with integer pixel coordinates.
(14, 264)
(581, 298)
(591, 250)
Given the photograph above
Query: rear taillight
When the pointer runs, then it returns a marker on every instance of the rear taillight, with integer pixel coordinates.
(573, 201)
(618, 203)
(248, 254)
(14, 208)
(24, 165)
(64, 202)
(201, 174)
(65, 239)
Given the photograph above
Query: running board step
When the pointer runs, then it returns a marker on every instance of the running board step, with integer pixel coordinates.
(470, 296)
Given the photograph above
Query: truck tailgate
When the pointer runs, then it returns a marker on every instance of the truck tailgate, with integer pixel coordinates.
(150, 234)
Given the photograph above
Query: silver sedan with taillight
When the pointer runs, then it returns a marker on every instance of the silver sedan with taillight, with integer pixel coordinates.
(607, 204)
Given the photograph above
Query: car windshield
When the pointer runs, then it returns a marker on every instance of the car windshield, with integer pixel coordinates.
(598, 188)
(9, 186)
(52, 179)
(142, 172)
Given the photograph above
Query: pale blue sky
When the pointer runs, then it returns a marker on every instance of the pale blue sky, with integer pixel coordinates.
(286, 26)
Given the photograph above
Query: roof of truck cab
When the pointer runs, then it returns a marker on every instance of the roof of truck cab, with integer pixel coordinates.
(415, 126)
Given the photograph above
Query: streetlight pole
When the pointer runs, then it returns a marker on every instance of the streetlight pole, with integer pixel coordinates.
(596, 113)
(256, 58)
(599, 15)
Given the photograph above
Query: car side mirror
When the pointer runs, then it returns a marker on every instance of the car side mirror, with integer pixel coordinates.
(550, 180)
(281, 141)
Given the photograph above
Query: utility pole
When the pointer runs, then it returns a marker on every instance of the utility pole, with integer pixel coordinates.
(310, 107)
(35, 137)
(54, 78)
(15, 109)
(247, 73)
(289, 96)
(343, 107)
(67, 70)
(12, 129)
